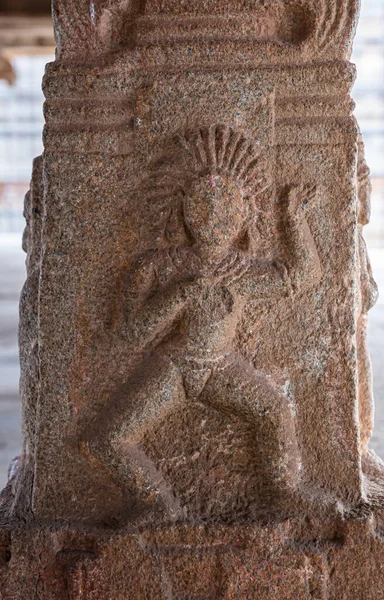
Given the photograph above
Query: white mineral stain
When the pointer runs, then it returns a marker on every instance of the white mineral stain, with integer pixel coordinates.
(92, 11)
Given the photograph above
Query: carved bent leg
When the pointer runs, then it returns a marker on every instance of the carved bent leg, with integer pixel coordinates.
(241, 391)
(114, 439)
(152, 397)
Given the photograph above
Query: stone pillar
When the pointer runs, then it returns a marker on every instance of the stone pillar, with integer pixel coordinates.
(25, 34)
(6, 70)
(195, 378)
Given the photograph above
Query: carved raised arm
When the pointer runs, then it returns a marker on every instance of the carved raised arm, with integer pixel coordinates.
(304, 268)
(143, 325)
(299, 270)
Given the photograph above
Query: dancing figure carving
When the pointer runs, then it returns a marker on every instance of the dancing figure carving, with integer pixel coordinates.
(184, 301)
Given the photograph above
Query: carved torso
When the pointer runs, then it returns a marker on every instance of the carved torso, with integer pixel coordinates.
(209, 324)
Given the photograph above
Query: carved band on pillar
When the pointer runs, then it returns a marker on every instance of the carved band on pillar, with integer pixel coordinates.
(202, 414)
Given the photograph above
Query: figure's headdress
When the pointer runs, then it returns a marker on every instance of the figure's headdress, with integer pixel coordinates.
(207, 151)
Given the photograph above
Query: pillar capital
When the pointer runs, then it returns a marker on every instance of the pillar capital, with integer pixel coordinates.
(259, 31)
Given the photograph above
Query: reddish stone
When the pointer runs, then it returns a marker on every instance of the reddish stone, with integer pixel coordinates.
(195, 377)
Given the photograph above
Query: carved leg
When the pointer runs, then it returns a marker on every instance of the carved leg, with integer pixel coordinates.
(114, 439)
(239, 390)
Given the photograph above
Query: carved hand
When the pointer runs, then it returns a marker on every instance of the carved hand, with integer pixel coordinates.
(300, 199)
(232, 269)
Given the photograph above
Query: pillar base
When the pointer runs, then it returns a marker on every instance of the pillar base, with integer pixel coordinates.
(300, 560)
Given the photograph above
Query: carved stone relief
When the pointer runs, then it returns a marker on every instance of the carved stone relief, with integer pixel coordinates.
(183, 304)
(195, 375)
(104, 26)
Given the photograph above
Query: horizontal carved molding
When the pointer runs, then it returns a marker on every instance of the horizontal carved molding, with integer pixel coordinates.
(314, 131)
(288, 107)
(70, 116)
(97, 110)
(106, 142)
(297, 28)
(82, 82)
(115, 140)
(258, 25)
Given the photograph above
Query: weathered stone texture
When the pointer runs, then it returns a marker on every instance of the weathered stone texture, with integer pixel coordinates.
(195, 376)
(198, 563)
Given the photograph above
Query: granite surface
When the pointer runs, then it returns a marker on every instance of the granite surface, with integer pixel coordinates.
(196, 386)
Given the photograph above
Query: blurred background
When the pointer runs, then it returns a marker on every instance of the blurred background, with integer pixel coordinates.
(26, 45)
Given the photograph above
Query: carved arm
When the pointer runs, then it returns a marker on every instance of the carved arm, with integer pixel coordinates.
(302, 267)
(303, 264)
(156, 316)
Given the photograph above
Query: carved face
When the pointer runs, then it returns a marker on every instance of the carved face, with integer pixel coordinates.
(214, 210)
